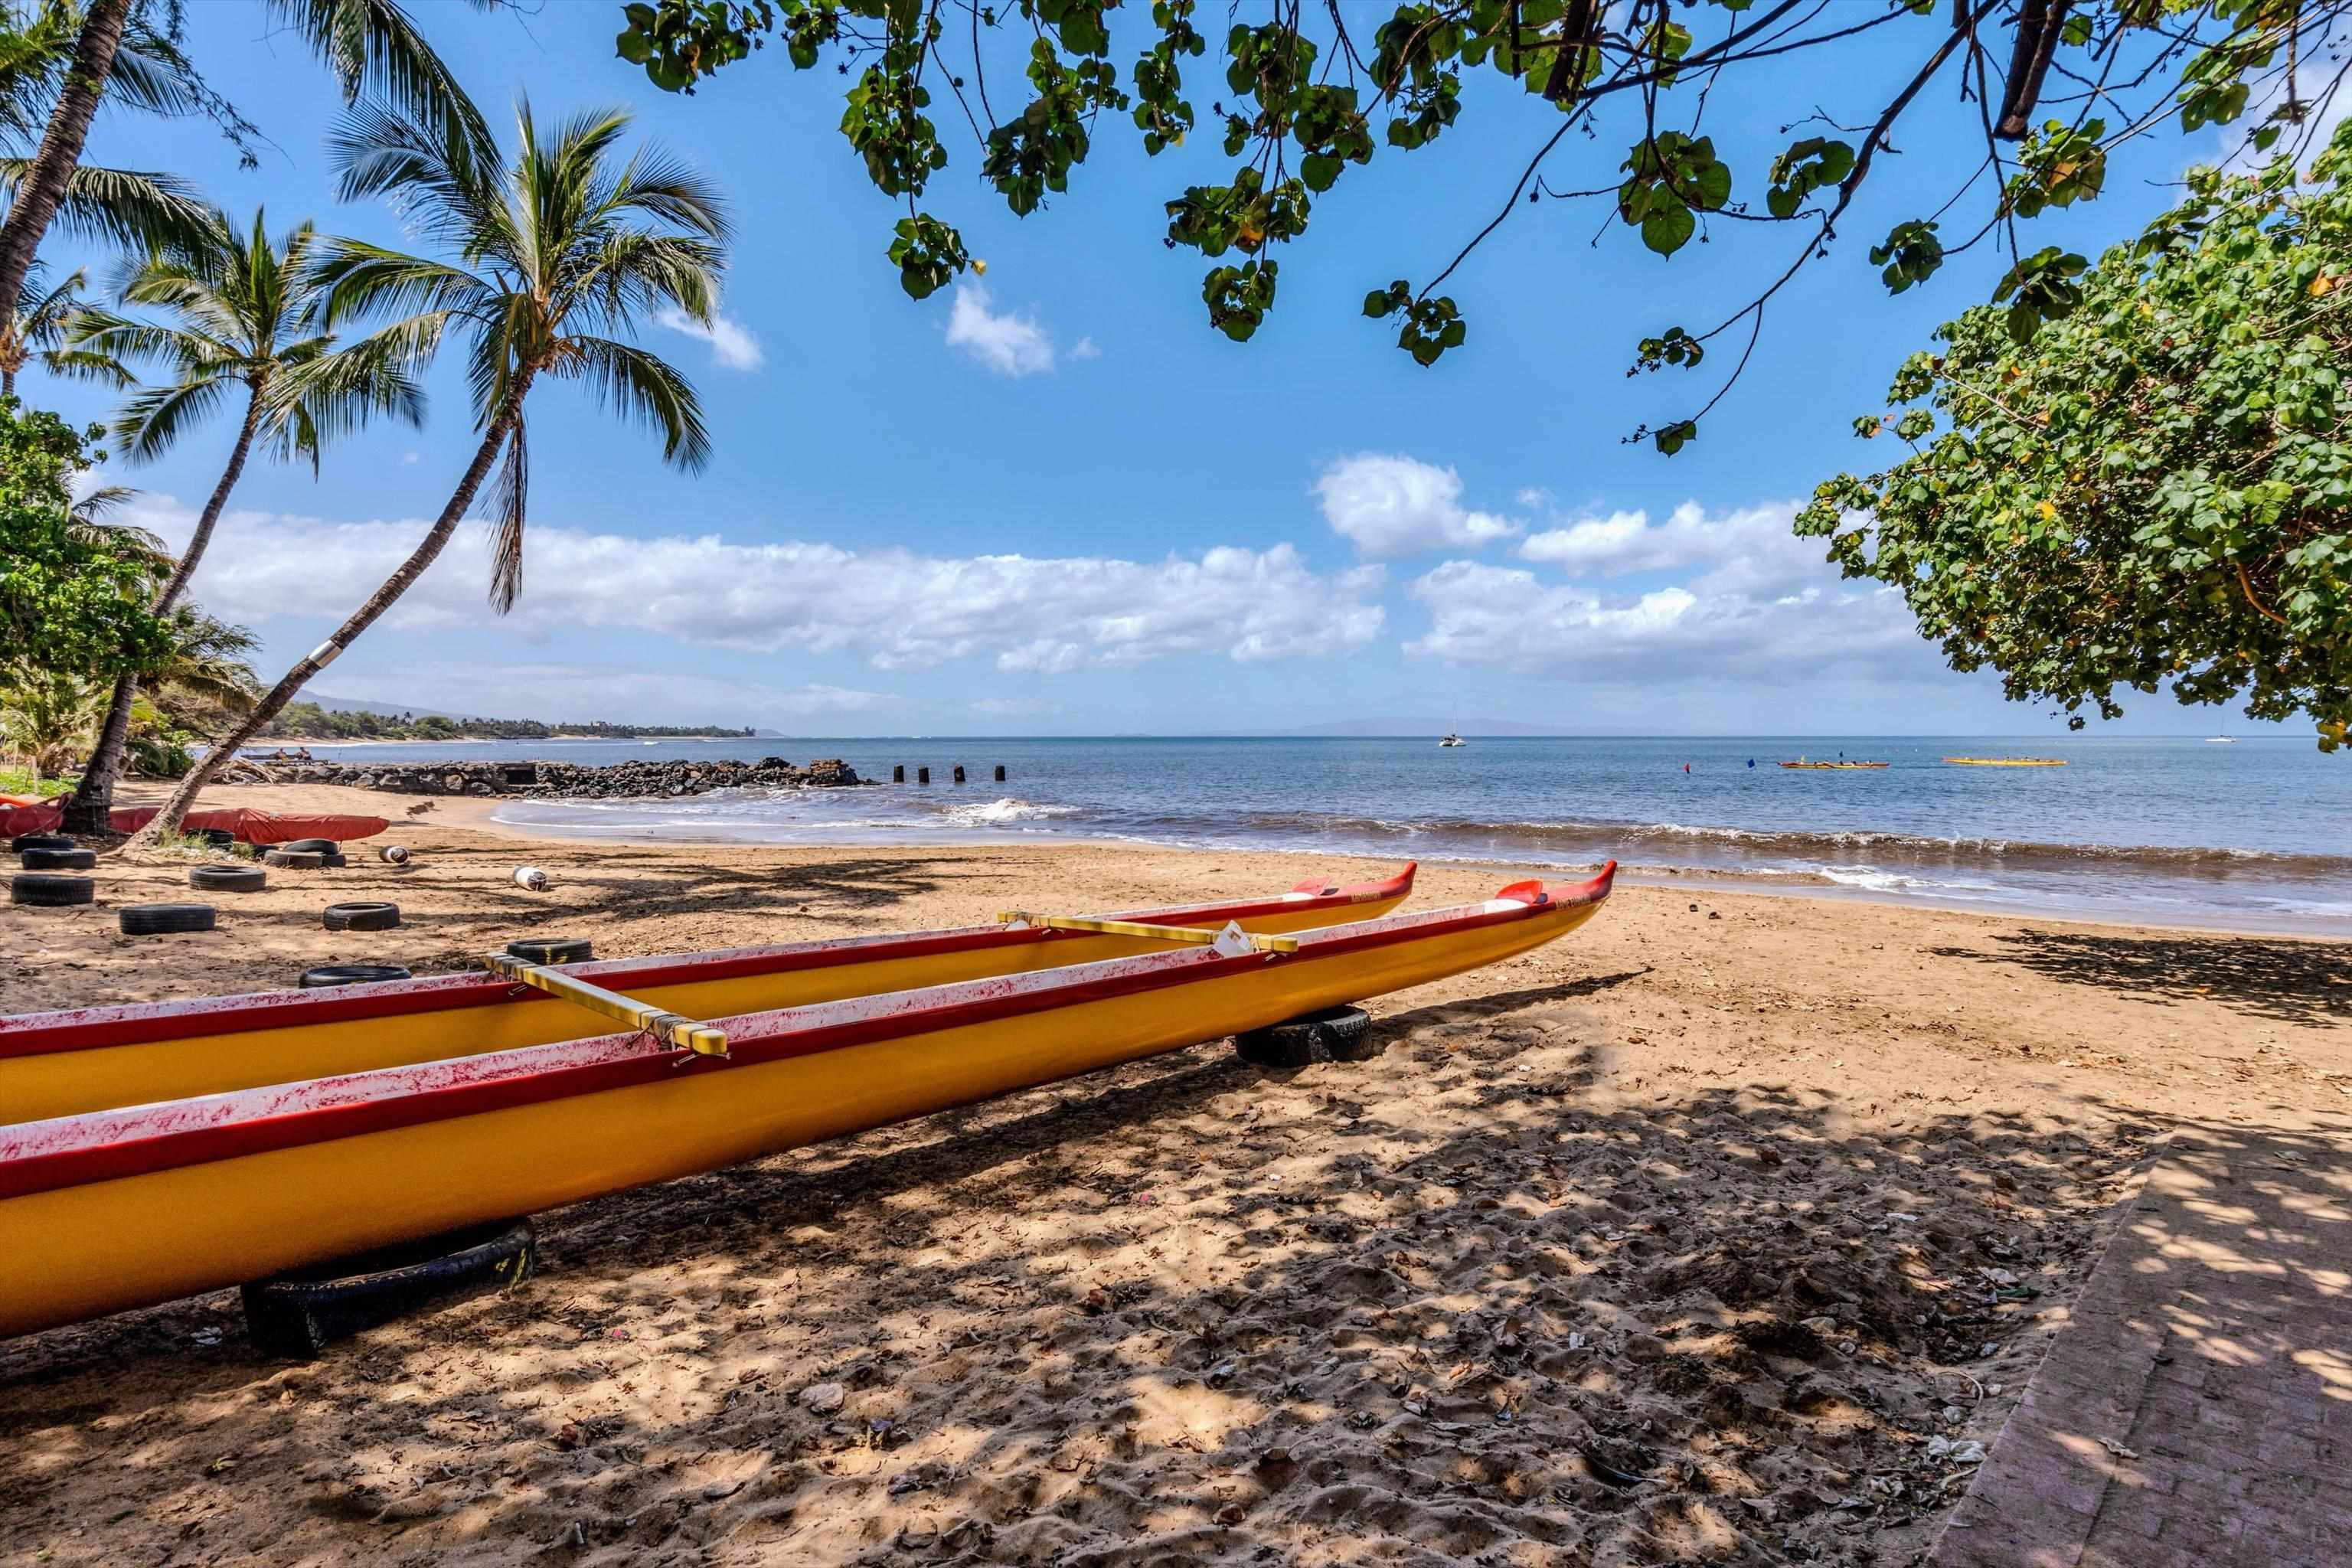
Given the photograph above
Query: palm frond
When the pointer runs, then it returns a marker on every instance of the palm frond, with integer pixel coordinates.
(633, 274)
(152, 76)
(667, 187)
(331, 396)
(136, 209)
(647, 390)
(355, 278)
(76, 364)
(188, 352)
(94, 507)
(153, 417)
(448, 191)
(374, 49)
(40, 312)
(89, 524)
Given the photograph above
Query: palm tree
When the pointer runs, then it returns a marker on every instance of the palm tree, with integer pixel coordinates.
(37, 325)
(553, 251)
(45, 716)
(241, 315)
(56, 62)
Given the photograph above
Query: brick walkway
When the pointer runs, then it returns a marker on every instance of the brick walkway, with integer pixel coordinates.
(2195, 1412)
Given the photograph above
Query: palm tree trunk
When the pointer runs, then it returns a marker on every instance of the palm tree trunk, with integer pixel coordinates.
(8, 384)
(91, 807)
(60, 149)
(290, 684)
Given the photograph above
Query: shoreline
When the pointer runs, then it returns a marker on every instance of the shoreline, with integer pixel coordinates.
(482, 815)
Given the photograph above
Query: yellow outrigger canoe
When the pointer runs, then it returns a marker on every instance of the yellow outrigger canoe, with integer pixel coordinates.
(116, 1208)
(95, 1059)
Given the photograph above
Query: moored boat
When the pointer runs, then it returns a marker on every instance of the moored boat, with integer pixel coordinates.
(93, 1058)
(118, 1208)
(1833, 766)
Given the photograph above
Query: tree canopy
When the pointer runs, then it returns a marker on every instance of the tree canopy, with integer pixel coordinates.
(1308, 93)
(74, 594)
(2158, 489)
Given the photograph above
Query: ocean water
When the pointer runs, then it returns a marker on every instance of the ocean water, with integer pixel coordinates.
(2256, 834)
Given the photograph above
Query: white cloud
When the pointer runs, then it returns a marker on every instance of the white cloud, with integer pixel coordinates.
(1008, 344)
(732, 344)
(896, 608)
(1761, 603)
(1394, 506)
(411, 457)
(1084, 349)
(1752, 551)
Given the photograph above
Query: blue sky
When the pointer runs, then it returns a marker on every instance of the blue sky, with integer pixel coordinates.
(1056, 502)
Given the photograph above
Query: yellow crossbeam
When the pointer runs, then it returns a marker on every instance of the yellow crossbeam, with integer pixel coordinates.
(1190, 935)
(685, 1032)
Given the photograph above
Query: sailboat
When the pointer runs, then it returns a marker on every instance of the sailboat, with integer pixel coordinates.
(1453, 739)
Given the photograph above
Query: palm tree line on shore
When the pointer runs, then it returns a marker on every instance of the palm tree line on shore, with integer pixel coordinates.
(543, 263)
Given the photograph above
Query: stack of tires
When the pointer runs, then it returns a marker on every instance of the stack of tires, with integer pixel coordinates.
(46, 881)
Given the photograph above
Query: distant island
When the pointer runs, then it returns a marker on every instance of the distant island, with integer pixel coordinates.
(307, 721)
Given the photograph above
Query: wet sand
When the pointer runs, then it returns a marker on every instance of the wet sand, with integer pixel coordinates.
(1682, 1240)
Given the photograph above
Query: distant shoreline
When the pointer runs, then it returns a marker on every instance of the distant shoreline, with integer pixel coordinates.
(340, 743)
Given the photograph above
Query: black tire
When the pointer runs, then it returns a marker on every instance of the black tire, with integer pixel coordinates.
(24, 841)
(310, 845)
(155, 919)
(333, 858)
(59, 859)
(227, 879)
(328, 975)
(294, 860)
(1334, 1035)
(369, 916)
(552, 949)
(301, 1312)
(45, 890)
(218, 837)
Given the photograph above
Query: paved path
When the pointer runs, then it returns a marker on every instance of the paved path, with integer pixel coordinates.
(2195, 1412)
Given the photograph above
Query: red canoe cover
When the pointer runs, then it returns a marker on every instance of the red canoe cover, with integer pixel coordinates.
(253, 827)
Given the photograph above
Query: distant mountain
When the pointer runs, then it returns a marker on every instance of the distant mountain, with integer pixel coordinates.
(1432, 727)
(388, 710)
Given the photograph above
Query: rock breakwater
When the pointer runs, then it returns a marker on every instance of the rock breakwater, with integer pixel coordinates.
(561, 781)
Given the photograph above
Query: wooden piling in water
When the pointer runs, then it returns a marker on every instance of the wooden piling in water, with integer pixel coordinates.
(1000, 773)
(898, 773)
(922, 775)
(959, 773)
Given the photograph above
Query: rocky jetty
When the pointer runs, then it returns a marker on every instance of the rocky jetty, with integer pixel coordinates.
(566, 781)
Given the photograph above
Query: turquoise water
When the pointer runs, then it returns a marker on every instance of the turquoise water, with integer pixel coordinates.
(2254, 835)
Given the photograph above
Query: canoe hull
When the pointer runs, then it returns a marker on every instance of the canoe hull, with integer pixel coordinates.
(118, 1240)
(63, 1064)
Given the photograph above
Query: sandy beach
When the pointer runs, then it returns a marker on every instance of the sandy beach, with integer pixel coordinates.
(1681, 1240)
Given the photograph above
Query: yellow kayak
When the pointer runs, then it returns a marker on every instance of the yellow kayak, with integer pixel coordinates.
(2006, 761)
(118, 1208)
(92, 1058)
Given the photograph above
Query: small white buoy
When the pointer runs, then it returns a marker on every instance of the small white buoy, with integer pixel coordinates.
(531, 876)
(393, 854)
